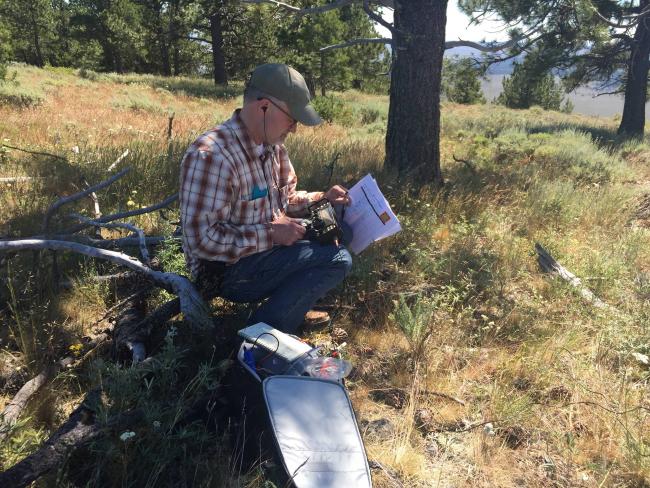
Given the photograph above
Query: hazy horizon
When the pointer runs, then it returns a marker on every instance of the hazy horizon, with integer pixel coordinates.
(582, 98)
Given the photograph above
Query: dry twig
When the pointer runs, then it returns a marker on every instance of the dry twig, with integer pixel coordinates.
(72, 198)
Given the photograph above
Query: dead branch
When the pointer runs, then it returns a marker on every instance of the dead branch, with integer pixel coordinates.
(304, 11)
(80, 429)
(634, 19)
(355, 42)
(12, 411)
(192, 305)
(390, 474)
(62, 201)
(20, 179)
(467, 163)
(486, 48)
(137, 295)
(444, 395)
(170, 127)
(126, 275)
(106, 243)
(97, 211)
(120, 225)
(38, 153)
(14, 408)
(377, 18)
(117, 161)
(123, 215)
(550, 265)
(138, 331)
(138, 351)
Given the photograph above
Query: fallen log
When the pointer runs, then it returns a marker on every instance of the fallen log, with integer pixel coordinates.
(192, 305)
(550, 265)
(80, 429)
(15, 407)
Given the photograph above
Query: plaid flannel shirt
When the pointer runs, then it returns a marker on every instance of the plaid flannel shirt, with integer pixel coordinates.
(230, 193)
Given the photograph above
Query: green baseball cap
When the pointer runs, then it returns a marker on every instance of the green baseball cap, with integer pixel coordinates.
(287, 85)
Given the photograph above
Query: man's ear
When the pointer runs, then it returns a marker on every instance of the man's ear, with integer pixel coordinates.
(263, 107)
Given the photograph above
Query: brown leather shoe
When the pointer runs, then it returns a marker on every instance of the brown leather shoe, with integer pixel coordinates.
(316, 318)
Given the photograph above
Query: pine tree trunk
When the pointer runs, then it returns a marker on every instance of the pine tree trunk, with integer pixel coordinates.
(218, 59)
(37, 38)
(633, 121)
(413, 135)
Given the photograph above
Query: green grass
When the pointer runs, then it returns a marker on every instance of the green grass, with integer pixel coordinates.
(457, 296)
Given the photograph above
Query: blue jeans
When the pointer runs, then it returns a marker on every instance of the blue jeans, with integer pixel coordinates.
(292, 278)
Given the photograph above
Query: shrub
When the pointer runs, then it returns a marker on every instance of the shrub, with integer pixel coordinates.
(369, 115)
(531, 84)
(332, 109)
(11, 93)
(460, 81)
(88, 74)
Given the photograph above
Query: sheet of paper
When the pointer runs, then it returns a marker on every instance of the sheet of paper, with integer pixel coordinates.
(369, 215)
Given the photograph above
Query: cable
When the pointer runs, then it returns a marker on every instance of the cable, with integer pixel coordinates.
(272, 352)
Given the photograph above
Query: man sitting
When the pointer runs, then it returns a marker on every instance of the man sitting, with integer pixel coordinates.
(242, 235)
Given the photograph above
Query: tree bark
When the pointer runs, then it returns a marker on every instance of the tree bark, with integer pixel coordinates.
(633, 121)
(37, 38)
(218, 58)
(413, 135)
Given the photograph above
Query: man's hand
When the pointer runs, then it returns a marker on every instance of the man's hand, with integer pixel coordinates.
(286, 230)
(338, 194)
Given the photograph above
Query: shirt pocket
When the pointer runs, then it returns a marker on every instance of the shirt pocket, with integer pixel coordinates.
(246, 212)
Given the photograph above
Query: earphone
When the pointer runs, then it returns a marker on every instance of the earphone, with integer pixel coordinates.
(263, 107)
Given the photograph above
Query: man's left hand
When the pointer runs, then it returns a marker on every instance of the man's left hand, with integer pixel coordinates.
(338, 194)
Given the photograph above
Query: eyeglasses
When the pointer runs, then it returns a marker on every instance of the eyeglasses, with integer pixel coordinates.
(293, 121)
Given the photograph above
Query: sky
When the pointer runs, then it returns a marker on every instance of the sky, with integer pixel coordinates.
(457, 27)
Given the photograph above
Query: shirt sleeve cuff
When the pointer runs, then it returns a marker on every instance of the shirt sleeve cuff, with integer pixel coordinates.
(264, 237)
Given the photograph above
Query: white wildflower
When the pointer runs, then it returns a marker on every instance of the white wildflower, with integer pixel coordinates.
(125, 436)
(172, 332)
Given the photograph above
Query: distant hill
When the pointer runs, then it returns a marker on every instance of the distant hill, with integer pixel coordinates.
(502, 68)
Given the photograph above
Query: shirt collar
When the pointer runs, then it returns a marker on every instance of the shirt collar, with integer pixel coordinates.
(236, 124)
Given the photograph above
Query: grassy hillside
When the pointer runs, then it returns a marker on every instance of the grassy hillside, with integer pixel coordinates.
(473, 367)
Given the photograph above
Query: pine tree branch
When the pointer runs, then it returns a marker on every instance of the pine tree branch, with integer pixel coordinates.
(305, 11)
(377, 18)
(356, 42)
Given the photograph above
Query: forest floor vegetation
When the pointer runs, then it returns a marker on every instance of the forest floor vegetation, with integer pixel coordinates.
(472, 366)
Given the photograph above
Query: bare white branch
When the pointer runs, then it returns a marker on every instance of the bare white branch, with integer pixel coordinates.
(72, 198)
(192, 305)
(124, 215)
(120, 225)
(117, 161)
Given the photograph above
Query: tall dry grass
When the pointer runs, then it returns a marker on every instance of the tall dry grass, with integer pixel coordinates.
(552, 391)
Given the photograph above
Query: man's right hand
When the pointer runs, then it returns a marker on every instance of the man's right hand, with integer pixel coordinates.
(286, 230)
